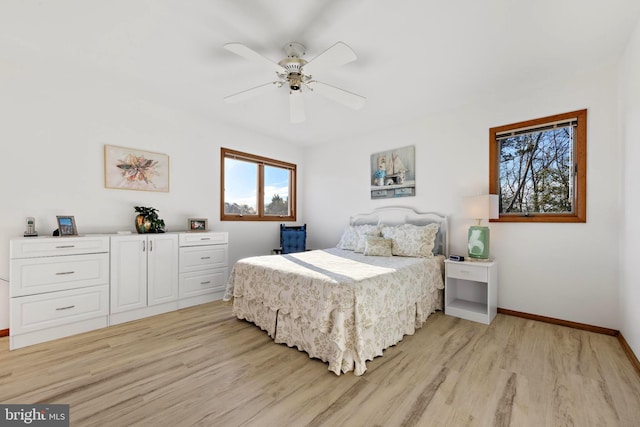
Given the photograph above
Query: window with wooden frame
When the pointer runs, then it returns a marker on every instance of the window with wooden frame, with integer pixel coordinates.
(538, 168)
(255, 188)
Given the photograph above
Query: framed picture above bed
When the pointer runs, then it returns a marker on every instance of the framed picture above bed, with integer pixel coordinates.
(393, 173)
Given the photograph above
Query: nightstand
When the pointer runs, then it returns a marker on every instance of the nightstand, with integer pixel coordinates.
(471, 290)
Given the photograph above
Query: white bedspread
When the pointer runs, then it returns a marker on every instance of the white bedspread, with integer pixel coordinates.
(317, 287)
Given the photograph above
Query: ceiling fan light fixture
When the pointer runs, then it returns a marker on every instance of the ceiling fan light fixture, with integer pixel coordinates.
(295, 81)
(291, 71)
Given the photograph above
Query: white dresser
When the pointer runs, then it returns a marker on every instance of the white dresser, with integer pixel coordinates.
(62, 286)
(203, 267)
(59, 287)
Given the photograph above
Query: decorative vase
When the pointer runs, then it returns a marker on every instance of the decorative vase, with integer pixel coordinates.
(143, 225)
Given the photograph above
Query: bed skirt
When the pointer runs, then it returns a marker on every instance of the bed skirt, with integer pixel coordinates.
(340, 343)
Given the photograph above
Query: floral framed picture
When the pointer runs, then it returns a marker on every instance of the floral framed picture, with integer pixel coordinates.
(67, 226)
(131, 169)
(197, 224)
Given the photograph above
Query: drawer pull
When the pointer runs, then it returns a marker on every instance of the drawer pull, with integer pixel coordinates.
(205, 283)
(205, 238)
(205, 257)
(65, 308)
(64, 272)
(65, 246)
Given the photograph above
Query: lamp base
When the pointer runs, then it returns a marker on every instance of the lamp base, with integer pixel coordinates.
(479, 242)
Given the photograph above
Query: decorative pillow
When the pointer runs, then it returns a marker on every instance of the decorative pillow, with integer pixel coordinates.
(363, 232)
(377, 246)
(411, 240)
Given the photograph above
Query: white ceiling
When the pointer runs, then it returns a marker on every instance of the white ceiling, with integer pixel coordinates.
(414, 56)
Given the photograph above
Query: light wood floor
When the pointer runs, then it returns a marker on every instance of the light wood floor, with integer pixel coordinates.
(202, 366)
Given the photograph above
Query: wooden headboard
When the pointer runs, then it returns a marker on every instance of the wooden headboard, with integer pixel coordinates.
(395, 215)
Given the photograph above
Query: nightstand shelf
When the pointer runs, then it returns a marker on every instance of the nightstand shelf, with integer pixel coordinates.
(471, 290)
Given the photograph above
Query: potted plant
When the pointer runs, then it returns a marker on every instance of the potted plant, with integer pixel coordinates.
(147, 220)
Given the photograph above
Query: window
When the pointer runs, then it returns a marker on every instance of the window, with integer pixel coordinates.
(539, 169)
(255, 188)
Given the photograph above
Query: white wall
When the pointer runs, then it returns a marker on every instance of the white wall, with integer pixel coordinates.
(57, 115)
(565, 271)
(630, 230)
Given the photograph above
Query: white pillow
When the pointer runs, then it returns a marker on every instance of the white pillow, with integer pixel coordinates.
(349, 239)
(363, 232)
(411, 240)
(351, 236)
(377, 246)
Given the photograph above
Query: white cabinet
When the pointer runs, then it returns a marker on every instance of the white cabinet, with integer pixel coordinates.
(203, 267)
(471, 290)
(144, 275)
(59, 287)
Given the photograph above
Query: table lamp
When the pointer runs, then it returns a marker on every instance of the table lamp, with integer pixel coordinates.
(479, 208)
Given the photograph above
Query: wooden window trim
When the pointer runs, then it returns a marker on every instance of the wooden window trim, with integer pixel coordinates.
(260, 161)
(580, 185)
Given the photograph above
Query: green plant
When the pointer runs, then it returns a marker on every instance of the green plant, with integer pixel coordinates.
(151, 215)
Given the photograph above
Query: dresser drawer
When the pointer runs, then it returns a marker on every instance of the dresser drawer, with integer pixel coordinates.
(36, 275)
(36, 312)
(467, 272)
(199, 239)
(202, 257)
(202, 282)
(31, 247)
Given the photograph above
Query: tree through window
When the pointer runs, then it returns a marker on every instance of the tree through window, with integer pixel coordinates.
(538, 169)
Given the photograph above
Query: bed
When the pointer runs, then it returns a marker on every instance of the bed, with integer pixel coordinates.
(345, 305)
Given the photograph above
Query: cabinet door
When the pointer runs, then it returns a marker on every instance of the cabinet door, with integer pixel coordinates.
(163, 268)
(128, 273)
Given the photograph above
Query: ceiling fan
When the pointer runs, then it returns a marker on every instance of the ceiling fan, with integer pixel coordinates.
(295, 73)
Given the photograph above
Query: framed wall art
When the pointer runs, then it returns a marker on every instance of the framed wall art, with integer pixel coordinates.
(393, 173)
(67, 226)
(131, 169)
(197, 224)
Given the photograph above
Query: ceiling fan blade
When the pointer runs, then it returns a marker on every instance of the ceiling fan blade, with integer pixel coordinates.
(296, 107)
(249, 93)
(252, 55)
(342, 96)
(337, 55)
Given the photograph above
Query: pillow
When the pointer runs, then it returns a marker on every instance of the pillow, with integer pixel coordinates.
(351, 236)
(349, 239)
(411, 240)
(377, 246)
(363, 232)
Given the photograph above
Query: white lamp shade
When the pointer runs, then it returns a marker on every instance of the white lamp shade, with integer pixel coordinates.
(481, 207)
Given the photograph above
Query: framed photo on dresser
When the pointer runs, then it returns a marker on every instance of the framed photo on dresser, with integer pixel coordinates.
(67, 226)
(197, 224)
